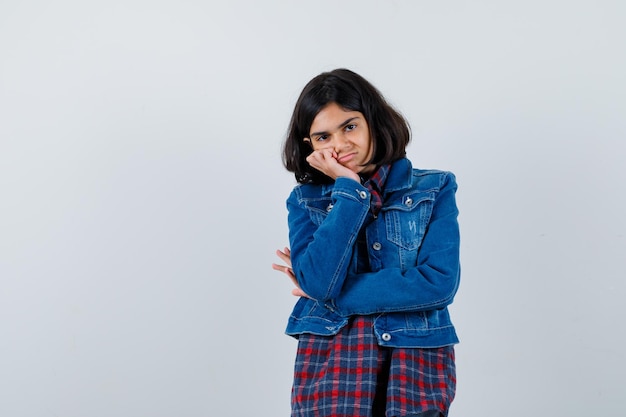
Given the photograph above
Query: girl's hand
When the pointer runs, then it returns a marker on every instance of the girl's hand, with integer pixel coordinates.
(285, 256)
(325, 160)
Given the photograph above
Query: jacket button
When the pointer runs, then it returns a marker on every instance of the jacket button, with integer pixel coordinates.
(329, 208)
(408, 202)
(377, 246)
(386, 337)
(363, 194)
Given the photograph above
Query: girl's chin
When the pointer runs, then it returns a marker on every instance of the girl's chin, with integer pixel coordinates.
(369, 169)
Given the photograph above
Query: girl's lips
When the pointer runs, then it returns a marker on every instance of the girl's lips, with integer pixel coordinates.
(346, 158)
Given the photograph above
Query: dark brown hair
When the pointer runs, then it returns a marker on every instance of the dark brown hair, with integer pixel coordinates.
(389, 131)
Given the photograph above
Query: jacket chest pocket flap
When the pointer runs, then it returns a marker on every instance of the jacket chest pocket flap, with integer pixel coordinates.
(407, 218)
(318, 209)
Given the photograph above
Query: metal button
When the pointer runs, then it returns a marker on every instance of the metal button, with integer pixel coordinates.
(330, 207)
(376, 246)
(363, 194)
(386, 337)
(408, 201)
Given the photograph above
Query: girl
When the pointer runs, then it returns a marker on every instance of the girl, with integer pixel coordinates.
(374, 257)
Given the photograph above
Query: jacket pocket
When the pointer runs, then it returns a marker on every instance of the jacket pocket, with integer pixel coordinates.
(318, 209)
(407, 220)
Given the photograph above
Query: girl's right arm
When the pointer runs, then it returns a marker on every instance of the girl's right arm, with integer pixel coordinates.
(321, 254)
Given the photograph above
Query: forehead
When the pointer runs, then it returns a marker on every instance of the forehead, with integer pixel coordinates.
(332, 116)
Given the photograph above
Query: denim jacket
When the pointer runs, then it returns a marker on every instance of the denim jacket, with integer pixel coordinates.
(402, 266)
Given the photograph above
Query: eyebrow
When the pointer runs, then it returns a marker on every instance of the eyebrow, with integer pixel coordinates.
(338, 127)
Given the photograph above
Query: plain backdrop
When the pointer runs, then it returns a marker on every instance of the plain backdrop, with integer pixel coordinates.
(142, 195)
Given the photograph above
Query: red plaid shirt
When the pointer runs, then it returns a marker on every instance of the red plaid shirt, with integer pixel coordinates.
(350, 375)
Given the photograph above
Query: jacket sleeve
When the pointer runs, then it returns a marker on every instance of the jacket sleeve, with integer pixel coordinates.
(431, 284)
(321, 254)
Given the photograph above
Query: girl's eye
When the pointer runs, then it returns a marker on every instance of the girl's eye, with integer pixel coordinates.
(321, 138)
(350, 127)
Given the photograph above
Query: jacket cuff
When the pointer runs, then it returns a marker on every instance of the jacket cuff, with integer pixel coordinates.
(349, 188)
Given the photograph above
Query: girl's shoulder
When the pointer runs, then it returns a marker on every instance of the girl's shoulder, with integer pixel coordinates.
(310, 191)
(433, 179)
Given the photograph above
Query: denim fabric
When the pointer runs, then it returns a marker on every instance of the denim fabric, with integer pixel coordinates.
(402, 265)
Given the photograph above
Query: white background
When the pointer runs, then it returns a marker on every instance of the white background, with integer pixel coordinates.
(142, 195)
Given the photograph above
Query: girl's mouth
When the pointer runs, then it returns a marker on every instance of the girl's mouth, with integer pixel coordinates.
(346, 158)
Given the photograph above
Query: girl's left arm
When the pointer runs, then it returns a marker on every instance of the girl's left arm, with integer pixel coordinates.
(431, 284)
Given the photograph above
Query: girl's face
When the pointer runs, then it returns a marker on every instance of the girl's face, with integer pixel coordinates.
(347, 133)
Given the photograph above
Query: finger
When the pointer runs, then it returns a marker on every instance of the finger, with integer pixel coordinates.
(280, 268)
(292, 277)
(287, 271)
(322, 160)
(321, 155)
(299, 293)
(314, 160)
(286, 258)
(328, 155)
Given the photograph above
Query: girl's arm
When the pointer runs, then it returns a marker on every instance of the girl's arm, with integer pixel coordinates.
(320, 254)
(431, 284)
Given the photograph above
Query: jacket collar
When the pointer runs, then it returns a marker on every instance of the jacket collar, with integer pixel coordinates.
(400, 176)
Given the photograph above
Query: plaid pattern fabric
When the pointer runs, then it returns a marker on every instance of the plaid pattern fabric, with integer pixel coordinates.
(350, 375)
(375, 185)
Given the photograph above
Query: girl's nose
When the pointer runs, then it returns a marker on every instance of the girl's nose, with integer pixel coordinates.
(340, 142)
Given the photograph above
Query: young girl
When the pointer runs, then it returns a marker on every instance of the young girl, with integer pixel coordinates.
(374, 257)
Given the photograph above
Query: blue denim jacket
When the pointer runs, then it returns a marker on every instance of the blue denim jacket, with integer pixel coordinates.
(401, 266)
